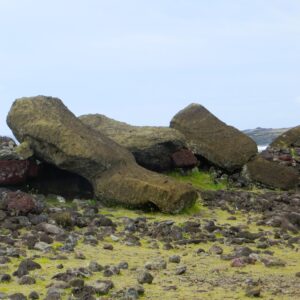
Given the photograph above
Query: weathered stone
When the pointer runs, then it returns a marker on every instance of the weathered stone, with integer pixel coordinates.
(270, 174)
(208, 137)
(180, 270)
(144, 277)
(290, 138)
(26, 280)
(58, 137)
(20, 203)
(50, 228)
(152, 147)
(25, 266)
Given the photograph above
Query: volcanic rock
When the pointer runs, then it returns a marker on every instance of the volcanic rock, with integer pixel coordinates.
(290, 138)
(152, 147)
(210, 138)
(58, 137)
(271, 174)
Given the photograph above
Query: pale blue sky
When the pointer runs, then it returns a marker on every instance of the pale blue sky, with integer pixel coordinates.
(140, 61)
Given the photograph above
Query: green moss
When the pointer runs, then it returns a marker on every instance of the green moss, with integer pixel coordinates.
(199, 179)
(56, 245)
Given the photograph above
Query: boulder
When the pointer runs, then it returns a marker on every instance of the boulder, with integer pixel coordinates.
(210, 138)
(56, 136)
(271, 174)
(19, 203)
(152, 147)
(288, 139)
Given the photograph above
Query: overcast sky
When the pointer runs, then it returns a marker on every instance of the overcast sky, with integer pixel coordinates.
(141, 61)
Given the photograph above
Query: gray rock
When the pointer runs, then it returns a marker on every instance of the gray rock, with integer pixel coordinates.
(102, 287)
(42, 246)
(17, 296)
(33, 295)
(144, 277)
(25, 266)
(26, 280)
(215, 249)
(180, 270)
(131, 294)
(5, 278)
(95, 267)
(52, 229)
(157, 264)
(174, 259)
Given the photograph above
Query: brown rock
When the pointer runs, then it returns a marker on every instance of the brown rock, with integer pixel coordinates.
(290, 138)
(184, 158)
(151, 146)
(271, 174)
(208, 137)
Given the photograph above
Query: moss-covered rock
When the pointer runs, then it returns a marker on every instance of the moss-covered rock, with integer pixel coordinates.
(288, 139)
(151, 146)
(207, 136)
(271, 174)
(56, 136)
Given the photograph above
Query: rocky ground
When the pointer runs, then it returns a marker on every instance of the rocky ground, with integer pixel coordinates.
(230, 245)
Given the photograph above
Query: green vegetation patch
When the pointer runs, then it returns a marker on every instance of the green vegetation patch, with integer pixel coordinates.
(199, 179)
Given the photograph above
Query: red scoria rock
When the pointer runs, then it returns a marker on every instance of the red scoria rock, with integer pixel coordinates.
(184, 158)
(19, 202)
(14, 172)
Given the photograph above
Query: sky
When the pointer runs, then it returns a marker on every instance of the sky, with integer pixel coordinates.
(142, 61)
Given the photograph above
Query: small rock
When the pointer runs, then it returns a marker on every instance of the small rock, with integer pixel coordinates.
(26, 280)
(17, 296)
(33, 295)
(5, 278)
(298, 274)
(80, 255)
(238, 263)
(200, 251)
(77, 282)
(180, 270)
(25, 266)
(102, 287)
(215, 249)
(131, 294)
(123, 265)
(144, 277)
(42, 246)
(174, 259)
(108, 247)
(52, 229)
(253, 292)
(158, 264)
(270, 261)
(110, 271)
(95, 267)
